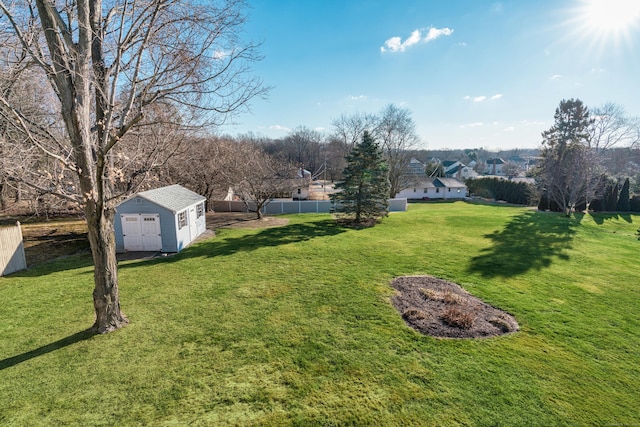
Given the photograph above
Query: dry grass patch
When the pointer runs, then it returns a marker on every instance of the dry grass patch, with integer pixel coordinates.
(439, 308)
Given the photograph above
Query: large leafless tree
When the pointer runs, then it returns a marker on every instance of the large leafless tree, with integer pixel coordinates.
(255, 176)
(396, 133)
(394, 128)
(109, 65)
(612, 127)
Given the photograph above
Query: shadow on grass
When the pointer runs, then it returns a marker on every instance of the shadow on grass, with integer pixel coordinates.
(64, 342)
(56, 265)
(532, 240)
(268, 237)
(600, 217)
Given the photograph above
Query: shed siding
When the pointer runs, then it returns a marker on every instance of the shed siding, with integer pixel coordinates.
(138, 205)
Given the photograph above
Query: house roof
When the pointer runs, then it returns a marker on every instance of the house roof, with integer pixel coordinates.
(415, 167)
(173, 197)
(448, 182)
(441, 183)
(496, 161)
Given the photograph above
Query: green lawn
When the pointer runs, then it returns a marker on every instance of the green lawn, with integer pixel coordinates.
(293, 326)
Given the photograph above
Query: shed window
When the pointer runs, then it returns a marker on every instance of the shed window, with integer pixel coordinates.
(437, 190)
(414, 190)
(449, 189)
(426, 190)
(199, 210)
(182, 219)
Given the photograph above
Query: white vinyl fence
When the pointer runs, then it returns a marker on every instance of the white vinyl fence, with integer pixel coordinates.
(12, 257)
(276, 207)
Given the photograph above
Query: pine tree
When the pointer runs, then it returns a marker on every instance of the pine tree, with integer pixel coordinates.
(363, 193)
(611, 198)
(624, 204)
(566, 159)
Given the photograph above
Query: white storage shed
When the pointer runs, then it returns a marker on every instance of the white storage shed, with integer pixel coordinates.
(166, 219)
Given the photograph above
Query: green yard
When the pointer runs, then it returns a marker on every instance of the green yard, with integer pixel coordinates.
(293, 326)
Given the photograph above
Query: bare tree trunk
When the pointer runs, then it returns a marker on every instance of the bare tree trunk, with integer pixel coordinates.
(106, 298)
(3, 199)
(18, 198)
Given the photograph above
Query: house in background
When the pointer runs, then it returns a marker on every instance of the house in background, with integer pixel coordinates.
(459, 170)
(166, 219)
(435, 188)
(496, 167)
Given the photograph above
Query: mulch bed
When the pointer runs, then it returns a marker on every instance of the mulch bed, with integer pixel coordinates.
(439, 308)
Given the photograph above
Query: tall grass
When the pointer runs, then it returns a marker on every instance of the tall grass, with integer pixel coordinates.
(293, 326)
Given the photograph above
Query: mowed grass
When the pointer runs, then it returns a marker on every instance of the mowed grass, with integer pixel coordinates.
(293, 326)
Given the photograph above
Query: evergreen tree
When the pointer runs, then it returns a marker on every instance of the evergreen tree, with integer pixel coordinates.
(566, 171)
(363, 193)
(624, 204)
(611, 198)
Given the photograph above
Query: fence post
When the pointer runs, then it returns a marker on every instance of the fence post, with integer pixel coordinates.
(23, 257)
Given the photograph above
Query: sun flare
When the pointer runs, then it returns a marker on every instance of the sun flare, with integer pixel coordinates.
(606, 24)
(611, 16)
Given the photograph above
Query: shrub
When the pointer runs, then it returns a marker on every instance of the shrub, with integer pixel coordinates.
(501, 323)
(431, 294)
(452, 298)
(458, 318)
(414, 314)
(447, 297)
(520, 193)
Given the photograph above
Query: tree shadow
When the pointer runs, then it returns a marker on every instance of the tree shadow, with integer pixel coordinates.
(56, 265)
(64, 342)
(600, 217)
(532, 240)
(268, 237)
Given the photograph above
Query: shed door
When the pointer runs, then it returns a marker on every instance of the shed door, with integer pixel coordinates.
(151, 237)
(141, 232)
(193, 226)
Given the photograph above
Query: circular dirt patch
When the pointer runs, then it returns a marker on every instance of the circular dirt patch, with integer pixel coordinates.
(440, 308)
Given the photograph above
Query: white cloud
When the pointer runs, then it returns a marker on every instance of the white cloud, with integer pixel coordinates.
(555, 77)
(279, 127)
(395, 44)
(220, 54)
(463, 44)
(357, 97)
(509, 129)
(472, 125)
(434, 33)
(483, 98)
(531, 123)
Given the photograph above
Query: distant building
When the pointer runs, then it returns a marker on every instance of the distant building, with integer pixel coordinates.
(435, 188)
(495, 166)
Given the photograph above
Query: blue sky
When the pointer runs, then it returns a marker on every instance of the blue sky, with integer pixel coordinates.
(473, 73)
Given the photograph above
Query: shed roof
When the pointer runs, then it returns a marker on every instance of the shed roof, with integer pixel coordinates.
(173, 197)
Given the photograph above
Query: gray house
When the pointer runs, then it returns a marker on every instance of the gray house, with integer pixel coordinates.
(166, 219)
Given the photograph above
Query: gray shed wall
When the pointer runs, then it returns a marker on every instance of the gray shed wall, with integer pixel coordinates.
(138, 205)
